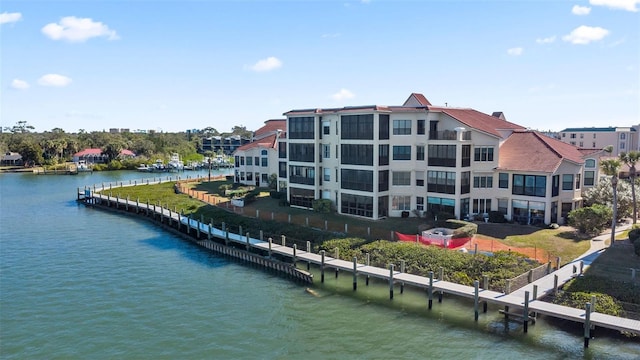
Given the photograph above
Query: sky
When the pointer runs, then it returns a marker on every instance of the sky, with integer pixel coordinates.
(170, 65)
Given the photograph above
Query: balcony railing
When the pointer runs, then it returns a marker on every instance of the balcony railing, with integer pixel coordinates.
(448, 135)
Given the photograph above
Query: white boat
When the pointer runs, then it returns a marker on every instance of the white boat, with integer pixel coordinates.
(144, 168)
(175, 164)
(82, 166)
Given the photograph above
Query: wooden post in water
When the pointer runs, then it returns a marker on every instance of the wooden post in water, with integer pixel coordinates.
(284, 240)
(337, 256)
(322, 266)
(367, 263)
(240, 232)
(549, 268)
(476, 298)
(390, 281)
(355, 273)
(308, 251)
(261, 235)
(248, 242)
(555, 285)
(295, 250)
(440, 278)
(137, 205)
(587, 325)
(270, 243)
(209, 230)
(127, 204)
(430, 290)
(485, 286)
(179, 222)
(507, 285)
(402, 264)
(525, 312)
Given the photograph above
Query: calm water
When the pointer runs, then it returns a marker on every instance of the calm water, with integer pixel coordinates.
(78, 283)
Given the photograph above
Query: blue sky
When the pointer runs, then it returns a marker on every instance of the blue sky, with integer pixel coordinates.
(176, 65)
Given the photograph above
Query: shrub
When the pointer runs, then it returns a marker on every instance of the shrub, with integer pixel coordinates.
(604, 303)
(590, 220)
(277, 194)
(222, 189)
(634, 235)
(496, 217)
(636, 247)
(322, 205)
(462, 228)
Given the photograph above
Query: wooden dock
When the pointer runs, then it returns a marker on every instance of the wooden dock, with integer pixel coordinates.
(517, 302)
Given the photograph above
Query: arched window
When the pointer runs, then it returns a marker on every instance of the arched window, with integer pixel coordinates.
(590, 163)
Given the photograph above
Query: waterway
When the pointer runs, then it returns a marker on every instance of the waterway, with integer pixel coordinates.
(78, 283)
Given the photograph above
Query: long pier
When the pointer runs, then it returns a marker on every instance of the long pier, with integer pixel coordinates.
(519, 304)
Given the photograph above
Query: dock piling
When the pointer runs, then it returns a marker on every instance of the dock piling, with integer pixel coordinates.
(476, 297)
(321, 266)
(525, 313)
(355, 273)
(430, 290)
(391, 281)
(587, 325)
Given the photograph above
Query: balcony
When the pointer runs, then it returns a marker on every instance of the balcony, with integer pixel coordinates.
(448, 135)
(294, 179)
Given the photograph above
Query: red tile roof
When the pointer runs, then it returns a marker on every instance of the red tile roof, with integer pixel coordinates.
(265, 142)
(419, 98)
(479, 121)
(531, 151)
(271, 126)
(97, 152)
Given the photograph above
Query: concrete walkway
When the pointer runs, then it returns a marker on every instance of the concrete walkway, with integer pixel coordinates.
(570, 270)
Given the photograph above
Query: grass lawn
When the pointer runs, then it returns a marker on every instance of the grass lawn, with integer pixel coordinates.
(615, 263)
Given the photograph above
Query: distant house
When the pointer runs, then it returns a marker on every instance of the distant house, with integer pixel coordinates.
(257, 160)
(95, 156)
(11, 159)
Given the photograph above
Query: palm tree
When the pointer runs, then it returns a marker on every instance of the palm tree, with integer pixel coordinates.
(611, 167)
(630, 159)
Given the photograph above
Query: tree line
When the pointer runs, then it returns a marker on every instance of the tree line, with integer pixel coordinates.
(57, 146)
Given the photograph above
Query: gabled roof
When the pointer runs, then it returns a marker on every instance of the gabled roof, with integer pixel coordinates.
(478, 120)
(271, 126)
(416, 99)
(268, 142)
(531, 151)
(11, 156)
(98, 152)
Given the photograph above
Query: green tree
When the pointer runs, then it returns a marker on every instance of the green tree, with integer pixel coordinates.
(630, 159)
(590, 220)
(602, 194)
(20, 127)
(611, 167)
(112, 150)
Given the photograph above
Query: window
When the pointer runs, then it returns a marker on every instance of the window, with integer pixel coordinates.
(572, 143)
(480, 182)
(402, 153)
(282, 150)
(503, 205)
(573, 136)
(264, 153)
(237, 161)
(594, 136)
(383, 127)
(282, 169)
(301, 197)
(256, 160)
(623, 136)
(249, 176)
(420, 152)
(436, 205)
(577, 181)
(567, 182)
(503, 180)
(581, 144)
(529, 185)
(593, 145)
(555, 185)
(327, 174)
(401, 127)
(326, 151)
(563, 134)
(401, 178)
(441, 155)
(302, 175)
(400, 202)
(356, 154)
(419, 178)
(481, 206)
(622, 145)
(483, 153)
(441, 182)
(419, 203)
(383, 180)
(265, 162)
(326, 127)
(466, 155)
(465, 182)
(421, 124)
(383, 154)
(357, 205)
(581, 136)
(249, 161)
(589, 163)
(356, 179)
(356, 127)
(241, 160)
(300, 152)
(301, 127)
(589, 178)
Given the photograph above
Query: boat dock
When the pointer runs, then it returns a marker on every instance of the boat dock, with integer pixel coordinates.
(522, 305)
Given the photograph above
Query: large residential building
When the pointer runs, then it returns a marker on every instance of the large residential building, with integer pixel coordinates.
(620, 138)
(226, 145)
(419, 159)
(257, 160)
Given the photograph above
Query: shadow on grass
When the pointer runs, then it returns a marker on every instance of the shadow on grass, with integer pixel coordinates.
(572, 235)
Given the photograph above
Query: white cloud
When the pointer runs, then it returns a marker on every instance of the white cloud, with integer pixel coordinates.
(6, 18)
(54, 80)
(268, 64)
(19, 84)
(585, 34)
(580, 10)
(343, 94)
(628, 5)
(75, 29)
(547, 40)
(516, 51)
